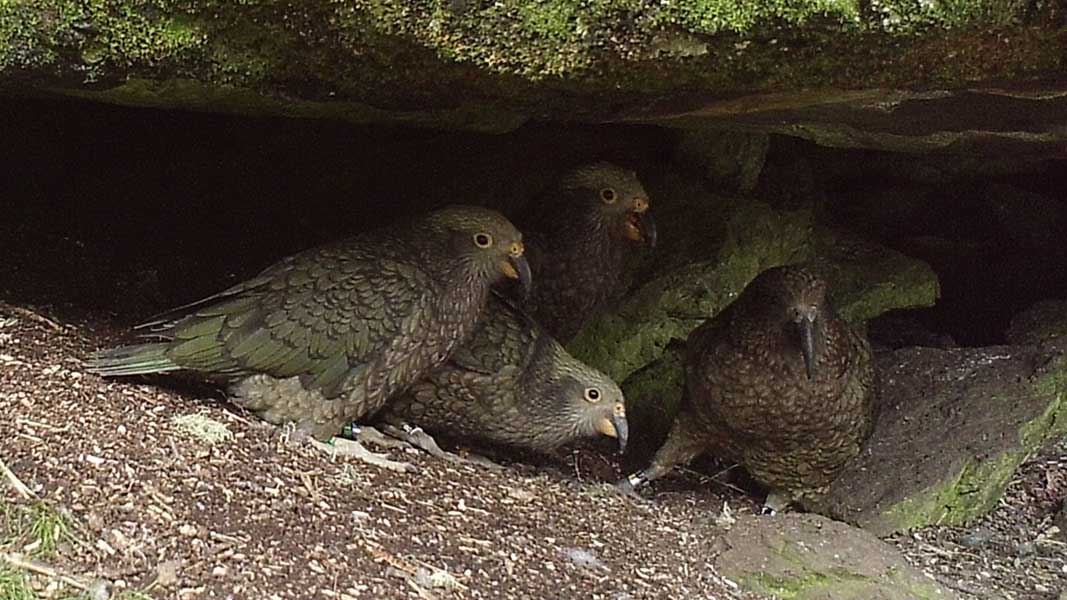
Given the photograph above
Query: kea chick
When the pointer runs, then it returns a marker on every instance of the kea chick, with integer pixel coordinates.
(328, 335)
(777, 383)
(579, 236)
(511, 383)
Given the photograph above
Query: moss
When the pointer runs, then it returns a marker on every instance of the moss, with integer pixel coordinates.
(836, 583)
(728, 160)
(869, 280)
(190, 94)
(742, 239)
(981, 482)
(843, 586)
(201, 428)
(572, 58)
(669, 307)
(972, 493)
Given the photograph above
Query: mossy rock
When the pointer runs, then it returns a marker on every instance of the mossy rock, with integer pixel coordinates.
(868, 280)
(954, 426)
(482, 64)
(713, 247)
(1041, 323)
(753, 238)
(808, 557)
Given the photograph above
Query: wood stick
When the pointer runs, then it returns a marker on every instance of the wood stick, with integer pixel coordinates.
(25, 492)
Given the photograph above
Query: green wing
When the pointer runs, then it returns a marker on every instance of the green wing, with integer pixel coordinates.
(322, 315)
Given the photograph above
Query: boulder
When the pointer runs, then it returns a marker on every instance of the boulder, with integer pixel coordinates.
(953, 427)
(808, 557)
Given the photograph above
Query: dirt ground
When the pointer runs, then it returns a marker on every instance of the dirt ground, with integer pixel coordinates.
(1018, 551)
(239, 512)
(160, 510)
(165, 491)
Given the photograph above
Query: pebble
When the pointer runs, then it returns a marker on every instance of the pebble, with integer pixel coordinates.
(976, 538)
(1025, 549)
(585, 559)
(167, 573)
(98, 590)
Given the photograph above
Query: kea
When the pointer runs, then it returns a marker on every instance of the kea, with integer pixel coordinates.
(579, 237)
(777, 383)
(512, 383)
(329, 335)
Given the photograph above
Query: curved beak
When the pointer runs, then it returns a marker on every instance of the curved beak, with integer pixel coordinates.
(640, 226)
(616, 426)
(647, 225)
(807, 343)
(517, 267)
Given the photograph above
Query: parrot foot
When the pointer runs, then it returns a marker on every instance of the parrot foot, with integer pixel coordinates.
(775, 503)
(365, 433)
(418, 438)
(342, 447)
(628, 487)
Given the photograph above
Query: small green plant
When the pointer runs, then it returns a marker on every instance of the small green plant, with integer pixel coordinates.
(13, 585)
(47, 529)
(9, 524)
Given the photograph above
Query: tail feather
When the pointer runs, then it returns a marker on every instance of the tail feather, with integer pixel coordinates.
(139, 359)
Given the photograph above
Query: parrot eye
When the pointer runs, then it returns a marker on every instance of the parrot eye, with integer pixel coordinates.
(592, 394)
(483, 240)
(608, 195)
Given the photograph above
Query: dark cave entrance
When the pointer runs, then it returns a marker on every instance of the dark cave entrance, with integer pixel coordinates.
(125, 212)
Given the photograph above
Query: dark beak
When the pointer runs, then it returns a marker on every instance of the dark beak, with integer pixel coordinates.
(622, 428)
(807, 344)
(523, 274)
(647, 226)
(615, 426)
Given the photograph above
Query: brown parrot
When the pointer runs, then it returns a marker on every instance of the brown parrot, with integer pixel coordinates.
(777, 383)
(579, 236)
(511, 383)
(330, 334)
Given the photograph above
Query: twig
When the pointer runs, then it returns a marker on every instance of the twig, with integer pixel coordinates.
(310, 487)
(409, 566)
(715, 478)
(31, 315)
(40, 425)
(423, 593)
(960, 586)
(25, 492)
(17, 561)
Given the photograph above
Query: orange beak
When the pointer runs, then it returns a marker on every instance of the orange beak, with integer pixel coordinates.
(639, 225)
